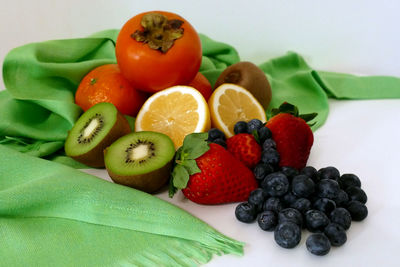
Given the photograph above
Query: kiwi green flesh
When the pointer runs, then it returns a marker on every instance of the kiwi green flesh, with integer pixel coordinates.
(90, 129)
(142, 160)
(250, 77)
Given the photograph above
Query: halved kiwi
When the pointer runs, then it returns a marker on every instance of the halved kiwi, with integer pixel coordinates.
(250, 77)
(95, 130)
(142, 160)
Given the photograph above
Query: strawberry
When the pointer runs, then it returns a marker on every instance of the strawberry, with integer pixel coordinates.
(292, 135)
(245, 148)
(209, 174)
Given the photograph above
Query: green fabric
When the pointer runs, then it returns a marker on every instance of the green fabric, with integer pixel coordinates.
(54, 215)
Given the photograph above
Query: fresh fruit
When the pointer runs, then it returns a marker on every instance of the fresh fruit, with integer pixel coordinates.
(267, 220)
(302, 186)
(342, 217)
(290, 197)
(261, 170)
(318, 244)
(156, 50)
(270, 156)
(273, 204)
(254, 125)
(356, 193)
(95, 130)
(287, 234)
(214, 134)
(249, 76)
(257, 198)
(275, 184)
(106, 84)
(201, 83)
(209, 174)
(292, 135)
(230, 103)
(245, 148)
(302, 205)
(325, 205)
(357, 210)
(176, 112)
(316, 220)
(328, 188)
(246, 212)
(290, 215)
(142, 160)
(328, 173)
(336, 234)
(240, 127)
(348, 180)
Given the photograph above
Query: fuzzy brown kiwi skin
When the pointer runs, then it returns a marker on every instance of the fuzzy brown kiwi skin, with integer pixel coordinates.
(149, 182)
(95, 157)
(249, 76)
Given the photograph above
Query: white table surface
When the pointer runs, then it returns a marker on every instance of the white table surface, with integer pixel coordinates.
(361, 137)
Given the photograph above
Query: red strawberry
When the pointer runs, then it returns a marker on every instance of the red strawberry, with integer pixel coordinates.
(292, 135)
(214, 177)
(245, 148)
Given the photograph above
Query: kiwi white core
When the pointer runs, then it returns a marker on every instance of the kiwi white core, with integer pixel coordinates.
(94, 123)
(139, 152)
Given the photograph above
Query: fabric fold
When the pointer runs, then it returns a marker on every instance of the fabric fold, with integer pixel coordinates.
(44, 190)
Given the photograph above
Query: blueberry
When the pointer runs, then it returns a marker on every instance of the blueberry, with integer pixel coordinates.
(316, 220)
(356, 193)
(240, 127)
(325, 205)
(302, 205)
(270, 156)
(220, 142)
(336, 234)
(287, 234)
(329, 173)
(318, 244)
(302, 186)
(261, 170)
(290, 215)
(290, 172)
(310, 172)
(348, 180)
(246, 212)
(328, 188)
(254, 125)
(267, 220)
(269, 143)
(341, 199)
(288, 199)
(273, 204)
(342, 217)
(264, 133)
(357, 210)
(215, 133)
(275, 184)
(257, 198)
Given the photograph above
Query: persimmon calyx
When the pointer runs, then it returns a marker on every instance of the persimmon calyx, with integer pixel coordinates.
(158, 31)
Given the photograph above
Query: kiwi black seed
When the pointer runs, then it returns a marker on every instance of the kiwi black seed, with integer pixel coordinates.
(141, 160)
(250, 77)
(95, 130)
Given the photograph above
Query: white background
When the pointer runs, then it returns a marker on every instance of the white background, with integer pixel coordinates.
(359, 136)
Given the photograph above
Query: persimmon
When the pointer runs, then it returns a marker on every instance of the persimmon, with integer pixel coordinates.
(106, 84)
(202, 85)
(156, 50)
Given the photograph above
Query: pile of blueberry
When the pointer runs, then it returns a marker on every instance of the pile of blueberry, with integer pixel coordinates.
(288, 200)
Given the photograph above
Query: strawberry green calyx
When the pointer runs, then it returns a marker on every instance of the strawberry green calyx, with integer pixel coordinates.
(194, 146)
(286, 107)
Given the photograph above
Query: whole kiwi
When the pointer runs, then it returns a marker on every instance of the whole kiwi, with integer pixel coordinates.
(250, 77)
